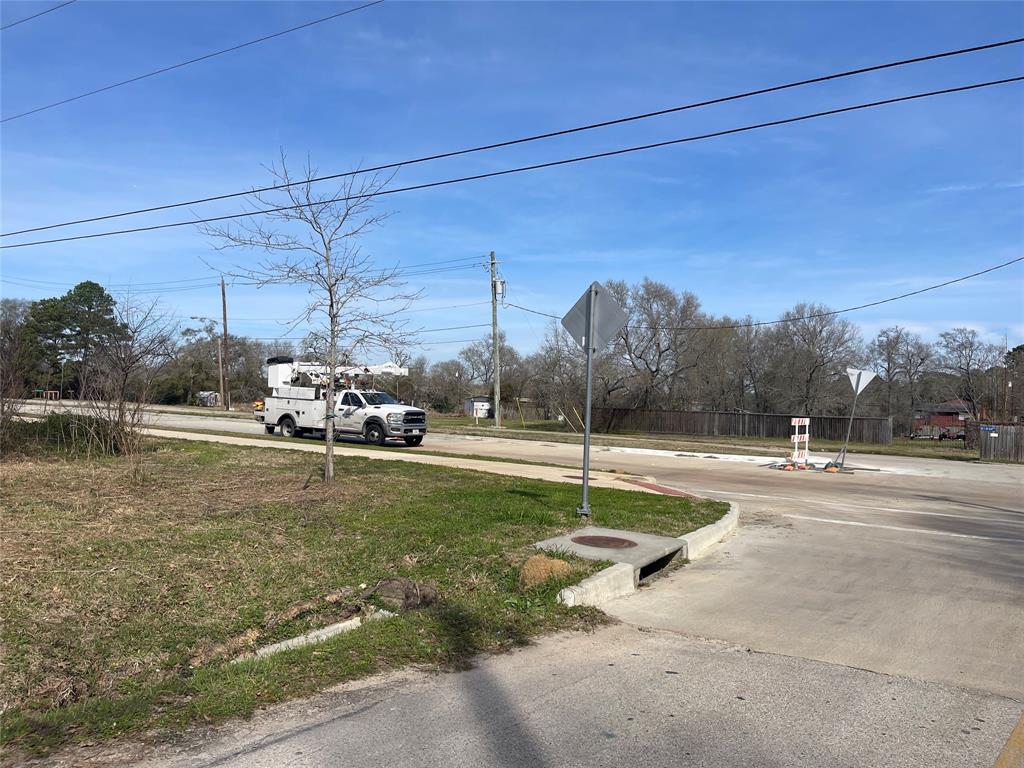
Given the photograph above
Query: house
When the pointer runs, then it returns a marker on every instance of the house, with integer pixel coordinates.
(948, 415)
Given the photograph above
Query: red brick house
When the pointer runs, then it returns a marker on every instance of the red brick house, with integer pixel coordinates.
(951, 415)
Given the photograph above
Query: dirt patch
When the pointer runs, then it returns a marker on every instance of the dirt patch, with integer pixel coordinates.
(541, 568)
(403, 594)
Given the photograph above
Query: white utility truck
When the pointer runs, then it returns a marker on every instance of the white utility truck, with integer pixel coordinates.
(297, 404)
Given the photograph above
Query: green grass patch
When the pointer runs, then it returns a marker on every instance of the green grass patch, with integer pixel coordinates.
(116, 592)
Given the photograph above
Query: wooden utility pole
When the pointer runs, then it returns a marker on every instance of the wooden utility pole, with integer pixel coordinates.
(225, 389)
(495, 341)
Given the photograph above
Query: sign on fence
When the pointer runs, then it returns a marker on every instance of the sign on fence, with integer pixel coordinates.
(1002, 442)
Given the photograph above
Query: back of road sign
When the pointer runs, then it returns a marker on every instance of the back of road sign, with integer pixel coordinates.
(609, 317)
(859, 379)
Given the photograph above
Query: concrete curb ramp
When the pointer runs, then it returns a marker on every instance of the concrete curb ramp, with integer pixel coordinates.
(620, 579)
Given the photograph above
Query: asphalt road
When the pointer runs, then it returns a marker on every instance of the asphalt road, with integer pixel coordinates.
(885, 610)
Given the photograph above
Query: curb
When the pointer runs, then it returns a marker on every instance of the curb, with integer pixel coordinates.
(620, 579)
(614, 581)
(703, 540)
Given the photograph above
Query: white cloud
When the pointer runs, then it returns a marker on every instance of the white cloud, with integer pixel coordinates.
(976, 187)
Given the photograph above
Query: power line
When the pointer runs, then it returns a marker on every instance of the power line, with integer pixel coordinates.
(179, 65)
(534, 167)
(142, 291)
(413, 332)
(64, 284)
(187, 283)
(535, 137)
(291, 320)
(35, 15)
(813, 316)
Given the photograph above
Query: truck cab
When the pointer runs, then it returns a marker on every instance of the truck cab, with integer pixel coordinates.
(378, 416)
(298, 404)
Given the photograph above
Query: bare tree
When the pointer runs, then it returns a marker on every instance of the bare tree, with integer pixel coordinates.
(124, 371)
(658, 342)
(812, 348)
(963, 353)
(916, 358)
(753, 347)
(311, 238)
(885, 352)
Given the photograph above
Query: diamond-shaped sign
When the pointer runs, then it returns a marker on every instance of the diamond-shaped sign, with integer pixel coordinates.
(609, 317)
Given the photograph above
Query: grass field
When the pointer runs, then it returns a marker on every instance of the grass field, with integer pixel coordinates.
(122, 603)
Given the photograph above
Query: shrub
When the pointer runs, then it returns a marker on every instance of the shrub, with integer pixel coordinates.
(68, 433)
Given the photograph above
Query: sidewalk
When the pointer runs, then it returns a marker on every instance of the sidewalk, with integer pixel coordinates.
(529, 471)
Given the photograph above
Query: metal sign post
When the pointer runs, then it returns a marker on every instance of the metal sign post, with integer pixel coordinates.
(860, 381)
(592, 322)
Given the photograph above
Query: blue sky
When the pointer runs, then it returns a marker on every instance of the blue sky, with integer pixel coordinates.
(840, 211)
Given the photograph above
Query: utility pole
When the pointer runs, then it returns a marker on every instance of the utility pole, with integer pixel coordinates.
(495, 341)
(1006, 382)
(225, 391)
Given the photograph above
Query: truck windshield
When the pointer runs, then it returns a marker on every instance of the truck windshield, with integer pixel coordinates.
(378, 398)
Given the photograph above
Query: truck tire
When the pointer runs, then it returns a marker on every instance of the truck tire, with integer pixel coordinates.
(412, 442)
(269, 428)
(287, 424)
(375, 433)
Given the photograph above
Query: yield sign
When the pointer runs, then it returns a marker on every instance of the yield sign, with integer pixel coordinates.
(859, 379)
(608, 317)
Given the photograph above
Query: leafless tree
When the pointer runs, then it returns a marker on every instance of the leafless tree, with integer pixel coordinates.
(123, 373)
(886, 354)
(559, 374)
(753, 347)
(916, 358)
(963, 353)
(312, 239)
(812, 349)
(658, 342)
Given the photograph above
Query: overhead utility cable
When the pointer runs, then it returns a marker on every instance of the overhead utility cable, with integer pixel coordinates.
(181, 64)
(534, 167)
(35, 16)
(535, 137)
(830, 313)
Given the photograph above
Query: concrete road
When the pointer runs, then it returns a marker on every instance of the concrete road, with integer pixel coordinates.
(620, 697)
(906, 576)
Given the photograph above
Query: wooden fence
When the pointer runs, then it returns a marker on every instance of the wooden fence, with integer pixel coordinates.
(733, 424)
(1004, 442)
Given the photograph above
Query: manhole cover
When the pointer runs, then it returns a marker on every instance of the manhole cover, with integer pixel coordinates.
(604, 542)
